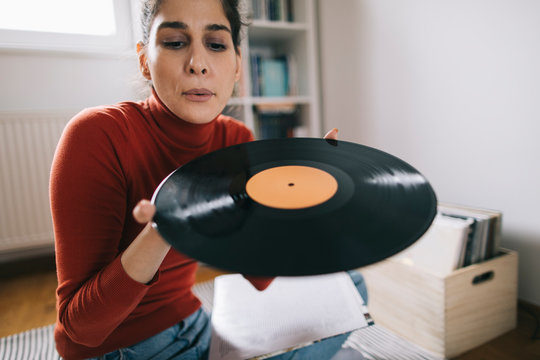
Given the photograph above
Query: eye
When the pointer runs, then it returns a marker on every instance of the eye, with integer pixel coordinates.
(216, 46)
(178, 44)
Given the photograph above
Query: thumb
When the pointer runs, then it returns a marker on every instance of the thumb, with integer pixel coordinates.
(332, 134)
(144, 211)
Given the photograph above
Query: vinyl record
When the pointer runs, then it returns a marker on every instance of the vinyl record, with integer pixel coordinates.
(293, 207)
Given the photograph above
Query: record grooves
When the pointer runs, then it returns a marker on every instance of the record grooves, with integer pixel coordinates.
(293, 207)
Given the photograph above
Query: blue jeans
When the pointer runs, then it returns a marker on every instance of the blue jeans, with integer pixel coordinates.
(187, 340)
(190, 340)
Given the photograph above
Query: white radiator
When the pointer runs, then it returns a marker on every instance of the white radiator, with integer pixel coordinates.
(27, 145)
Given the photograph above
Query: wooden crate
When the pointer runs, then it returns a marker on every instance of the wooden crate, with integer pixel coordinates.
(447, 316)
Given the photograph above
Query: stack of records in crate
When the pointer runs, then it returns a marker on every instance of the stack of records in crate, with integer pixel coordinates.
(485, 231)
(459, 236)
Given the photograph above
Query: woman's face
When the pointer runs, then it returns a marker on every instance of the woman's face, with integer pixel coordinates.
(191, 59)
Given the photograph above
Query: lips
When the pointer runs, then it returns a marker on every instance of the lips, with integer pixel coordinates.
(198, 94)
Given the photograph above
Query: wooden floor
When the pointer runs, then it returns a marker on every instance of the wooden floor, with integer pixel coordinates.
(27, 300)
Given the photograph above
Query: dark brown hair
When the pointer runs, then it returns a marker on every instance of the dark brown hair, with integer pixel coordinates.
(151, 7)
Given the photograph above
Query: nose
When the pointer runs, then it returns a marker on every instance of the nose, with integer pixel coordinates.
(198, 70)
(197, 62)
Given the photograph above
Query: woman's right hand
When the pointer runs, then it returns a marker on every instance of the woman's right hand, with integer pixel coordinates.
(144, 211)
(142, 258)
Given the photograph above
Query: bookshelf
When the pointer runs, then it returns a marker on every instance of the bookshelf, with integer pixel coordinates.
(292, 36)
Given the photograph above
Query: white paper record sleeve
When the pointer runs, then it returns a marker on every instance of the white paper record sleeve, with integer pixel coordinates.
(292, 312)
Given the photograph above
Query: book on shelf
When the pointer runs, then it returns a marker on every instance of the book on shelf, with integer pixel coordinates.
(291, 313)
(273, 10)
(276, 120)
(273, 75)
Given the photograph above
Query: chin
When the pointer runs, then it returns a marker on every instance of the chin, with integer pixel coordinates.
(199, 118)
(199, 113)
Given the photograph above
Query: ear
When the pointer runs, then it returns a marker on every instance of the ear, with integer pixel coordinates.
(143, 61)
(238, 72)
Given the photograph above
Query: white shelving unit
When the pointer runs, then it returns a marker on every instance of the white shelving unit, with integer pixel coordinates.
(296, 38)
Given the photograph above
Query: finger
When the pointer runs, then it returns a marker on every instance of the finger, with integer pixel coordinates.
(332, 134)
(144, 211)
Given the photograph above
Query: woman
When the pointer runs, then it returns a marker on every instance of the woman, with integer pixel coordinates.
(122, 292)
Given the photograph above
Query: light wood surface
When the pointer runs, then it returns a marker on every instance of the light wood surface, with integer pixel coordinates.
(28, 300)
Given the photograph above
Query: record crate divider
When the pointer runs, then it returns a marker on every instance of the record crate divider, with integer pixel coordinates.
(445, 315)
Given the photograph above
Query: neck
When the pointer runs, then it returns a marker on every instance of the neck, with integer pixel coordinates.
(176, 129)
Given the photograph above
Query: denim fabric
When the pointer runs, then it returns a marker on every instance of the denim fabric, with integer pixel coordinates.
(190, 340)
(360, 284)
(187, 340)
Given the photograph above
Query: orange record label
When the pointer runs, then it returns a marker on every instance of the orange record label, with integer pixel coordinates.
(291, 187)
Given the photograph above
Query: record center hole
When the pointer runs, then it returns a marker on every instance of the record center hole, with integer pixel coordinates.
(291, 184)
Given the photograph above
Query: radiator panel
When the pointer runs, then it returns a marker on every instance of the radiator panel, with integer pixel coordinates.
(27, 145)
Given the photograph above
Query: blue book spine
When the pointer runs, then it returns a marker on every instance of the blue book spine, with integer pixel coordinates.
(274, 77)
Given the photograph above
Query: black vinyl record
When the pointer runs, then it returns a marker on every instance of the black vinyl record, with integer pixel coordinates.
(293, 207)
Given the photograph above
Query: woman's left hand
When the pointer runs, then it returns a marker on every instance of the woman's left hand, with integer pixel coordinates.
(332, 134)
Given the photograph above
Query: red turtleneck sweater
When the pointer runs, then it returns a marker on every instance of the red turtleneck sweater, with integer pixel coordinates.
(107, 160)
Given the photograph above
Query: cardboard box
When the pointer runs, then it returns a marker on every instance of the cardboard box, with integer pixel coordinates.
(445, 315)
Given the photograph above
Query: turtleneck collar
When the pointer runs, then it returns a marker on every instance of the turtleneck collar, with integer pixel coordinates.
(178, 131)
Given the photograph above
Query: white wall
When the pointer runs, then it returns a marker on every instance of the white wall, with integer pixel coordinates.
(61, 84)
(42, 81)
(452, 87)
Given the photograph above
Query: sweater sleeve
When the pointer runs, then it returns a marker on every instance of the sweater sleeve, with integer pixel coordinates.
(88, 204)
(259, 282)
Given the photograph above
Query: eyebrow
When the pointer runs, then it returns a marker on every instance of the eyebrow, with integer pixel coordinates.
(183, 26)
